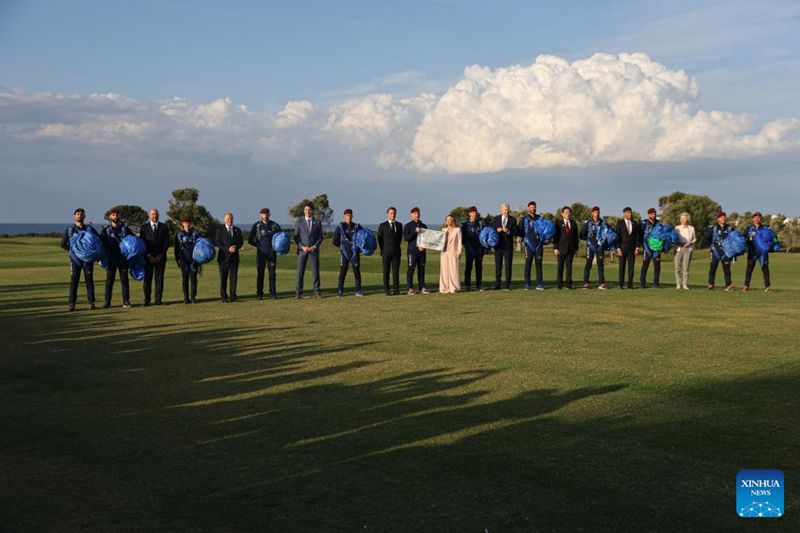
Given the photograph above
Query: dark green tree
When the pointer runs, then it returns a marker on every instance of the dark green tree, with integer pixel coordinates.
(322, 209)
(702, 209)
(459, 213)
(132, 215)
(184, 203)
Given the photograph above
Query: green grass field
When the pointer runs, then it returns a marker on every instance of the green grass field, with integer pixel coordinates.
(500, 411)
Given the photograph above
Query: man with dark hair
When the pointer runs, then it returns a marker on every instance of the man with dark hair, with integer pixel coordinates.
(76, 266)
(649, 255)
(156, 241)
(112, 236)
(506, 227)
(628, 247)
(390, 236)
(229, 240)
(470, 233)
(534, 247)
(592, 233)
(565, 245)
(416, 255)
(260, 238)
(343, 240)
(715, 234)
(753, 257)
(185, 240)
(308, 237)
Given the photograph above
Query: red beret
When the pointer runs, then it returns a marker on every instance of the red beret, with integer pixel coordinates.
(264, 211)
(414, 210)
(595, 208)
(472, 209)
(348, 211)
(185, 219)
(721, 214)
(651, 210)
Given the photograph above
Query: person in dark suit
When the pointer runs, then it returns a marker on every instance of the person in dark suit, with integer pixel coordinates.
(565, 246)
(506, 227)
(308, 236)
(156, 241)
(390, 237)
(229, 240)
(629, 237)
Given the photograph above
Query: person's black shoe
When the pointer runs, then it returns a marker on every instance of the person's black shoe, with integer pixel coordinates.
(107, 305)
(92, 307)
(273, 296)
(159, 303)
(194, 300)
(187, 301)
(71, 307)
(260, 297)
(234, 299)
(146, 304)
(656, 286)
(224, 299)
(630, 285)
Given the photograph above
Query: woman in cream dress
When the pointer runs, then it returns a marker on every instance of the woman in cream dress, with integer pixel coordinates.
(449, 274)
(683, 252)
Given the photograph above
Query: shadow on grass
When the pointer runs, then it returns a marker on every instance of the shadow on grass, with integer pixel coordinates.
(217, 428)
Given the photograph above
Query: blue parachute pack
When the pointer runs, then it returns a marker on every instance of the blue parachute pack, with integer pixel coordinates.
(203, 251)
(489, 238)
(364, 242)
(134, 250)
(86, 246)
(601, 243)
(661, 239)
(608, 237)
(765, 241)
(545, 229)
(733, 246)
(281, 242)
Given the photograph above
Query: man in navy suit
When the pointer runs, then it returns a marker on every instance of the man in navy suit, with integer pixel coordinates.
(308, 237)
(506, 227)
(565, 245)
(229, 240)
(390, 236)
(156, 241)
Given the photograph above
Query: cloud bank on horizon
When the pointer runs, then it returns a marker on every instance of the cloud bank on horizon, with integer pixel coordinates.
(550, 113)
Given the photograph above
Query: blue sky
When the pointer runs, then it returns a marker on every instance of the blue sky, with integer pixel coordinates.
(743, 56)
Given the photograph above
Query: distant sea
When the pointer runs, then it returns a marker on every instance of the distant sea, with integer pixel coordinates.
(58, 227)
(39, 227)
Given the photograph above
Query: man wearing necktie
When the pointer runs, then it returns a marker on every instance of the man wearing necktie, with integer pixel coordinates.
(628, 248)
(229, 240)
(565, 244)
(156, 241)
(390, 236)
(506, 227)
(308, 237)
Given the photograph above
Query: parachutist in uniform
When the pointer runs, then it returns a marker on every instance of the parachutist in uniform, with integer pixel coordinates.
(261, 239)
(76, 265)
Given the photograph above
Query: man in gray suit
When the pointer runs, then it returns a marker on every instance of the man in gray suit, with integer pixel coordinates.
(308, 236)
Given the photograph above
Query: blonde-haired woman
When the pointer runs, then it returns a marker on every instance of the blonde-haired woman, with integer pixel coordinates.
(683, 251)
(449, 281)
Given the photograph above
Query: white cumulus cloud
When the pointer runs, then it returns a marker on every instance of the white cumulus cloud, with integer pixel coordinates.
(553, 112)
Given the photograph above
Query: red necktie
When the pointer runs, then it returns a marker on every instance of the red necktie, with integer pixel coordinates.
(566, 225)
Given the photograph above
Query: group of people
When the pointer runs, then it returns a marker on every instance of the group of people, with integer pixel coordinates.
(308, 237)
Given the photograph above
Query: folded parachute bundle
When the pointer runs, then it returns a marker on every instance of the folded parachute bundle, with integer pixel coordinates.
(661, 239)
(203, 251)
(85, 245)
(281, 242)
(545, 229)
(608, 237)
(489, 238)
(364, 242)
(765, 241)
(133, 249)
(733, 245)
